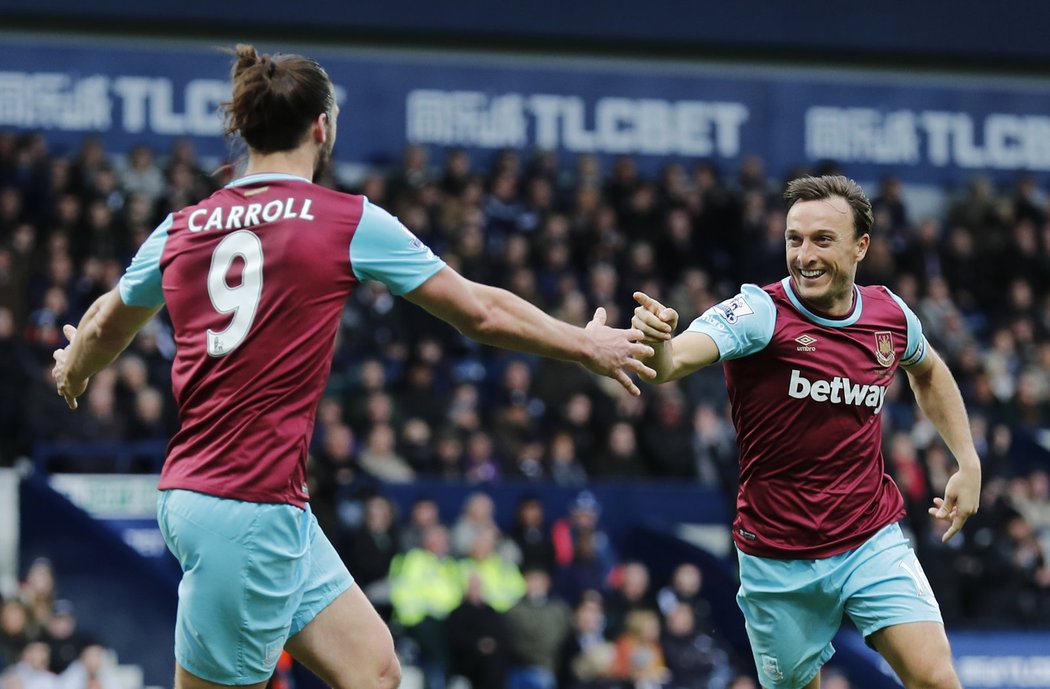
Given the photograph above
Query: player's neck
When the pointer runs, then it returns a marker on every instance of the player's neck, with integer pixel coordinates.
(299, 162)
(834, 309)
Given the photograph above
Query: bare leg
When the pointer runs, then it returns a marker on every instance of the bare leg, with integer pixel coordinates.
(919, 653)
(348, 645)
(184, 679)
(813, 683)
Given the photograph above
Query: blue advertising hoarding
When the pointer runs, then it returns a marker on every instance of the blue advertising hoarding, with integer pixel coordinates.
(925, 128)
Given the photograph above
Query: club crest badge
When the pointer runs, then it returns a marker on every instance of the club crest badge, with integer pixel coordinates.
(884, 353)
(771, 667)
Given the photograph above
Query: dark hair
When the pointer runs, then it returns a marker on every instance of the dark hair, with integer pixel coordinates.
(275, 98)
(819, 188)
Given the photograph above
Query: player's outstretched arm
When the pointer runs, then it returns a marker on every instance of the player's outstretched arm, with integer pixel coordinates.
(104, 332)
(496, 317)
(939, 398)
(672, 358)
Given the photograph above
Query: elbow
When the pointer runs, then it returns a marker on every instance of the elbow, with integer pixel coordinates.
(484, 325)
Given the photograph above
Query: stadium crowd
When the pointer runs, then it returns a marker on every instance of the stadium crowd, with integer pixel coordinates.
(410, 397)
(42, 646)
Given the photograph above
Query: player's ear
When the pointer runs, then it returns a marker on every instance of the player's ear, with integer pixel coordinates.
(320, 128)
(862, 246)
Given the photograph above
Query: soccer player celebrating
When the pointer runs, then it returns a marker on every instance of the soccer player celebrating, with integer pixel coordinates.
(807, 362)
(254, 278)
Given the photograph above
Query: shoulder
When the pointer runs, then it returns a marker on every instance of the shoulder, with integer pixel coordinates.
(880, 301)
(878, 294)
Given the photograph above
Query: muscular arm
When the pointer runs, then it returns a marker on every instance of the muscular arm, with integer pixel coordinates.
(104, 332)
(939, 398)
(496, 317)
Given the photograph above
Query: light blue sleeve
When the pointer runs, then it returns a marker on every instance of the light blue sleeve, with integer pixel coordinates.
(384, 250)
(916, 349)
(140, 284)
(739, 326)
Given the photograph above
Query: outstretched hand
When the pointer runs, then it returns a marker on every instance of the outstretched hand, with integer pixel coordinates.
(656, 321)
(962, 495)
(615, 352)
(68, 388)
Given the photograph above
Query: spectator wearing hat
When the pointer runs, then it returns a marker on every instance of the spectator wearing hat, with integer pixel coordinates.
(583, 552)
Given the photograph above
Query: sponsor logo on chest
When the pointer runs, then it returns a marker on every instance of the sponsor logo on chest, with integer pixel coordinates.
(838, 390)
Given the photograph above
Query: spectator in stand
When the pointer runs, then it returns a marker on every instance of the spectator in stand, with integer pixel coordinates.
(538, 626)
(142, 175)
(685, 588)
(93, 669)
(633, 593)
(531, 535)
(380, 459)
(667, 439)
(478, 514)
(586, 657)
(32, 667)
(422, 515)
(501, 580)
(596, 554)
(38, 591)
(564, 464)
(478, 642)
(639, 656)
(694, 659)
(370, 549)
(15, 631)
(425, 586)
(63, 637)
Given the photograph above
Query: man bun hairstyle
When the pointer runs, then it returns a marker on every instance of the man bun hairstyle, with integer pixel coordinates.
(820, 188)
(275, 98)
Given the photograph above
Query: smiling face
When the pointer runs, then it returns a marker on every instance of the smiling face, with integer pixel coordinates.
(822, 253)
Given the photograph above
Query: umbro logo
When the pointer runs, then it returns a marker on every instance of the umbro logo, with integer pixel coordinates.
(806, 343)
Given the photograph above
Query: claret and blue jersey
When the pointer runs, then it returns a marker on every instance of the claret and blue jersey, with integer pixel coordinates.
(254, 279)
(806, 392)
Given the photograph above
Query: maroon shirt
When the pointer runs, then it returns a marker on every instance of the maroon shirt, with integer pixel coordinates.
(255, 278)
(806, 394)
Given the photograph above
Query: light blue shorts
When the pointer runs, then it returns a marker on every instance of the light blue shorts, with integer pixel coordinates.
(253, 574)
(793, 608)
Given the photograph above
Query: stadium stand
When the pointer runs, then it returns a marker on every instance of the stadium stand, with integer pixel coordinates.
(410, 400)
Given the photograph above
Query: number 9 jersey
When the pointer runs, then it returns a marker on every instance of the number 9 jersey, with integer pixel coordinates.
(254, 278)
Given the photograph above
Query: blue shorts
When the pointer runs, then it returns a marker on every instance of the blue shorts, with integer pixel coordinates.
(793, 608)
(253, 574)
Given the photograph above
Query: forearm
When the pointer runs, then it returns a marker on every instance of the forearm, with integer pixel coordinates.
(100, 337)
(663, 362)
(939, 398)
(510, 322)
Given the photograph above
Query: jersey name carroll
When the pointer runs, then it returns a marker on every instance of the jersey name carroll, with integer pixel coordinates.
(255, 278)
(248, 215)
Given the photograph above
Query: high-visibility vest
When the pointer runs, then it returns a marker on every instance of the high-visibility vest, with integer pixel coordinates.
(501, 582)
(423, 585)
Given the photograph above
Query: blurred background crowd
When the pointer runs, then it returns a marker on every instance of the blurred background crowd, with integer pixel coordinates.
(409, 397)
(42, 645)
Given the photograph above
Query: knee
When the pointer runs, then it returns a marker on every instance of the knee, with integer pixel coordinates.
(936, 677)
(389, 674)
